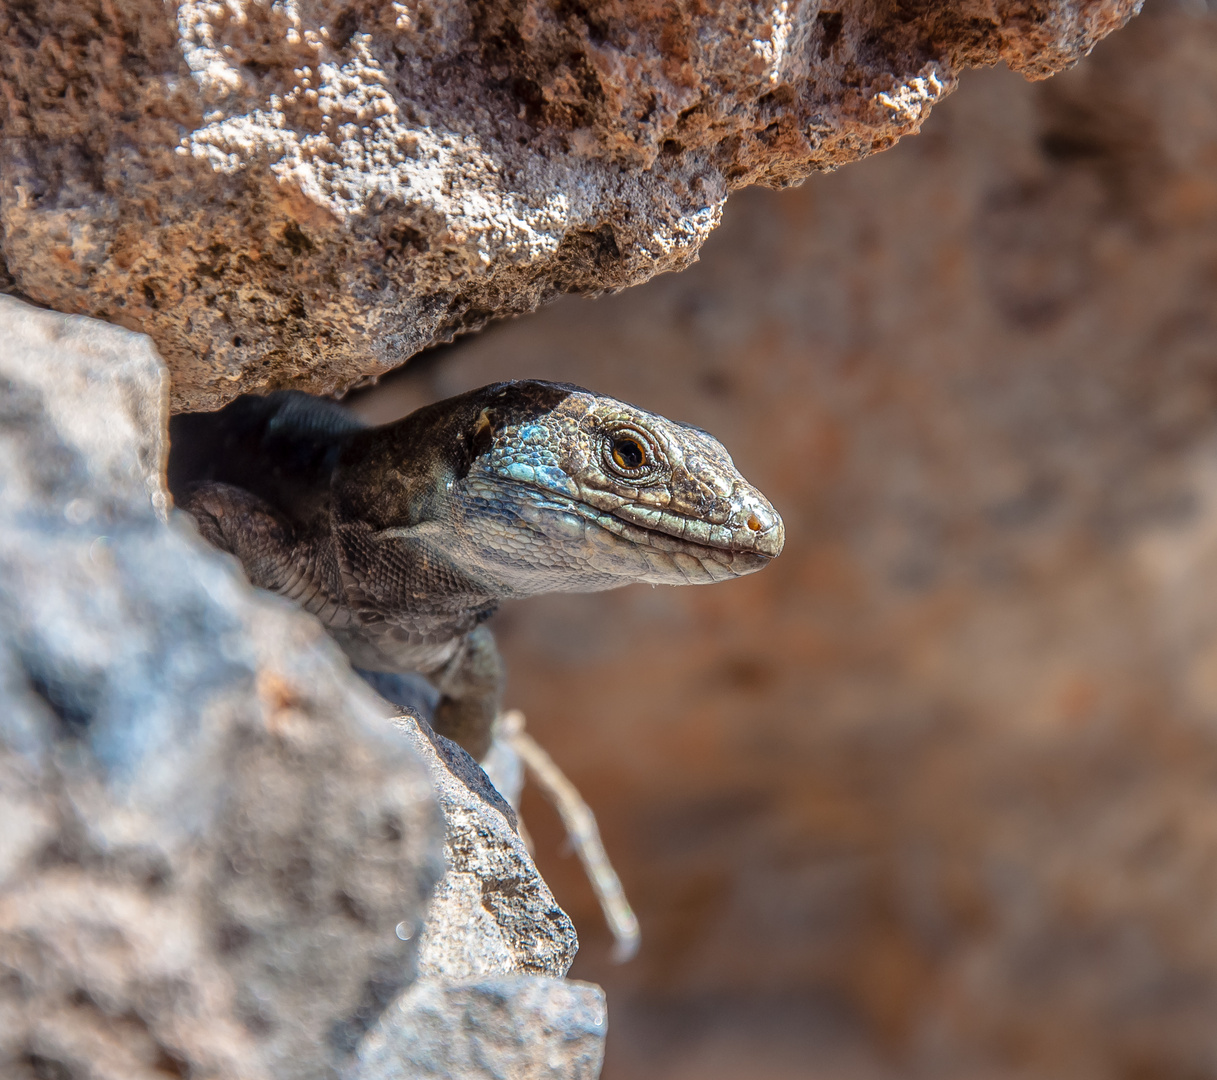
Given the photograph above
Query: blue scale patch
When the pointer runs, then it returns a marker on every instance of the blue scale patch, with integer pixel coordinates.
(531, 444)
(517, 470)
(555, 479)
(533, 433)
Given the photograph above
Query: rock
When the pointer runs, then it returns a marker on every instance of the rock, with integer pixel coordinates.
(210, 831)
(512, 1027)
(307, 194)
(217, 850)
(492, 913)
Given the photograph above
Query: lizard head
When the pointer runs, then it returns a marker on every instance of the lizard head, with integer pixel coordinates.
(548, 487)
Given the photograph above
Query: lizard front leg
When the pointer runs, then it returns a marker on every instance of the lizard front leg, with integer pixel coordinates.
(471, 689)
(272, 556)
(236, 521)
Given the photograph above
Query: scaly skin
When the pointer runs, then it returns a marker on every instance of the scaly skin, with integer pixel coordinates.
(403, 539)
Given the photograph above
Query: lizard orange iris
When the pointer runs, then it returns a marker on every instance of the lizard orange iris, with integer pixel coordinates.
(628, 453)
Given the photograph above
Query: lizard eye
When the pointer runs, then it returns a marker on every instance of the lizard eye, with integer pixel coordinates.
(628, 453)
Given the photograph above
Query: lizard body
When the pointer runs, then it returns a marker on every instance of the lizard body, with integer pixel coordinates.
(403, 539)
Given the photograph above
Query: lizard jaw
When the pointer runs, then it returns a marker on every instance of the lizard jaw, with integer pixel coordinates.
(743, 521)
(754, 527)
(695, 562)
(585, 547)
(635, 552)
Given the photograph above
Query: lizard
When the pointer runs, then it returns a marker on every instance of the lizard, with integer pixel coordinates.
(404, 538)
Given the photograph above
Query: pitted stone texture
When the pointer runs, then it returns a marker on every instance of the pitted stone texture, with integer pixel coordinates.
(209, 831)
(492, 913)
(514, 1027)
(307, 193)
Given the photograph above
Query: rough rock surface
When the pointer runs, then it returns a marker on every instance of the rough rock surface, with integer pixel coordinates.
(492, 913)
(217, 849)
(307, 193)
(209, 831)
(514, 1027)
(933, 796)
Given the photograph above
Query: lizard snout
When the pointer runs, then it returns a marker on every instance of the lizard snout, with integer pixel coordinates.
(758, 525)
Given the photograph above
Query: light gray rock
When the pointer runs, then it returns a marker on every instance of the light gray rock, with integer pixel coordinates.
(308, 193)
(210, 832)
(217, 851)
(492, 913)
(514, 1027)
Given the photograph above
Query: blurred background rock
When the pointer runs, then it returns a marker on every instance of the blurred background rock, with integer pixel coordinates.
(936, 794)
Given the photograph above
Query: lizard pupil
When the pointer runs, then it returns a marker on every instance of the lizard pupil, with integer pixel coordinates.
(628, 453)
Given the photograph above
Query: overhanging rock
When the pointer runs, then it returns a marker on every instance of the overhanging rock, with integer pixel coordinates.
(307, 193)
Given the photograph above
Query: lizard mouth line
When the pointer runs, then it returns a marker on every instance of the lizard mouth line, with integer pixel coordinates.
(713, 537)
(630, 530)
(659, 539)
(739, 558)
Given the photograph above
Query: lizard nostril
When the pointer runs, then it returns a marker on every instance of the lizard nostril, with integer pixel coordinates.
(754, 523)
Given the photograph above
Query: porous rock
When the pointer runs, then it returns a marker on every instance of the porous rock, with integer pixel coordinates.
(307, 193)
(209, 831)
(508, 1027)
(492, 913)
